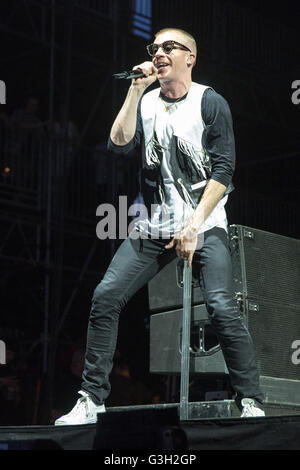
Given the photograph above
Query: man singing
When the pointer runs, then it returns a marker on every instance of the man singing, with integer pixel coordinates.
(185, 134)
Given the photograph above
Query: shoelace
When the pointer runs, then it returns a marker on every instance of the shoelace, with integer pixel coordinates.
(83, 401)
(249, 409)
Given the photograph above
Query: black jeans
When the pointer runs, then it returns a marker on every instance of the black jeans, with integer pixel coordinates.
(134, 264)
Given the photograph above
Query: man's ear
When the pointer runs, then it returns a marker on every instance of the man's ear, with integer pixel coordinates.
(191, 58)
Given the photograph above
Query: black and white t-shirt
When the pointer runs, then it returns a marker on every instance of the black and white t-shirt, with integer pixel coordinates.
(218, 142)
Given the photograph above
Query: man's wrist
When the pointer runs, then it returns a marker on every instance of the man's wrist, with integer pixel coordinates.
(139, 89)
(192, 229)
(194, 224)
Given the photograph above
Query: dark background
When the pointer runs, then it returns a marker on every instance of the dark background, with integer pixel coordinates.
(64, 53)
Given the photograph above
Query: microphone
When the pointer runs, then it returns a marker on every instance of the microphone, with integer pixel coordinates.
(130, 74)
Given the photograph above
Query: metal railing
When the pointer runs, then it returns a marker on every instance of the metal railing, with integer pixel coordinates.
(81, 178)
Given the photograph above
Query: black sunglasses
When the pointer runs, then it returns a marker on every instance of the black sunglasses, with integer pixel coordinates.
(167, 47)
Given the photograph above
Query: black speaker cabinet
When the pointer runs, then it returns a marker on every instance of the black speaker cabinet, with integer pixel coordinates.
(165, 343)
(266, 273)
(266, 266)
(165, 289)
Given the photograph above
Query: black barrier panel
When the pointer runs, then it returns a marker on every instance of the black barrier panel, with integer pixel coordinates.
(140, 429)
(273, 433)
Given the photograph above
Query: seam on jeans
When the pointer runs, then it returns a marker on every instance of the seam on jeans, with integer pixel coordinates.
(203, 289)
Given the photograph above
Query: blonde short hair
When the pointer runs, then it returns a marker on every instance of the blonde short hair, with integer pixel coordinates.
(187, 36)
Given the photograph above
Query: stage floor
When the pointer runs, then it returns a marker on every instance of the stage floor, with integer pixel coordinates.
(279, 430)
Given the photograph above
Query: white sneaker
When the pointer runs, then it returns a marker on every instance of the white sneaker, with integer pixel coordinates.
(250, 409)
(84, 412)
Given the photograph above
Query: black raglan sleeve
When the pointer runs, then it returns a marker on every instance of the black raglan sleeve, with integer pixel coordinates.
(218, 136)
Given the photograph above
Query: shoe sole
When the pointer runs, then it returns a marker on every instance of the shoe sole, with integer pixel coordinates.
(63, 423)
